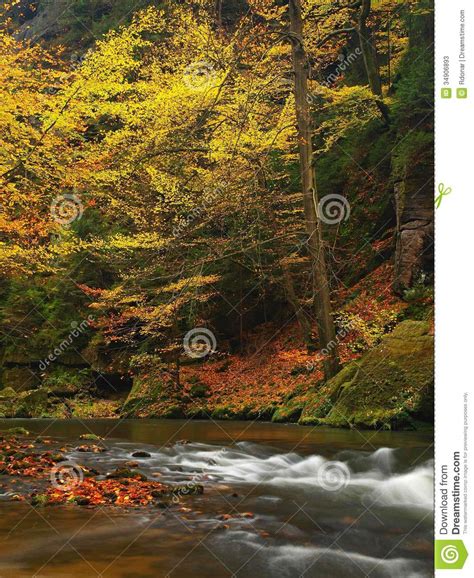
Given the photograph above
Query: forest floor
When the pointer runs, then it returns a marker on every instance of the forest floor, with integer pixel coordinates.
(274, 376)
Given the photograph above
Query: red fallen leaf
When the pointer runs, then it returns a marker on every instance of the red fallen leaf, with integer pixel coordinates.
(93, 448)
(110, 491)
(225, 517)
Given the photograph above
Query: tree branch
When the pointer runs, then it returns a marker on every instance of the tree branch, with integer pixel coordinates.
(334, 33)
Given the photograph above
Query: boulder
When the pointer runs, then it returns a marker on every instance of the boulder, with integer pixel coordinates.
(35, 402)
(7, 393)
(32, 403)
(141, 454)
(391, 386)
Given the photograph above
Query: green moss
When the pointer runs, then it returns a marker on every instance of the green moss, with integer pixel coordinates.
(66, 382)
(20, 378)
(172, 412)
(18, 431)
(291, 412)
(121, 473)
(410, 329)
(389, 387)
(223, 412)
(199, 390)
(90, 437)
(194, 412)
(40, 500)
(309, 420)
(35, 402)
(131, 407)
(8, 393)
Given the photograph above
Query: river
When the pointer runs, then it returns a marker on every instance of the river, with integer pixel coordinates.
(279, 501)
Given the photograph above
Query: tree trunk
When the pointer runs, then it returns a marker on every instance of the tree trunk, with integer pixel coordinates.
(369, 54)
(327, 333)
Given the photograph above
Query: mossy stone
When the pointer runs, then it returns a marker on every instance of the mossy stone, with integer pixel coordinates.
(389, 387)
(290, 412)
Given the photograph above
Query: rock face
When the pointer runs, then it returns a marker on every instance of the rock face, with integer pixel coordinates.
(20, 378)
(415, 230)
(45, 22)
(413, 167)
(391, 386)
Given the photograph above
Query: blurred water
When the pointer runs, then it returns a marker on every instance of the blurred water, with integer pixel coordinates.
(322, 503)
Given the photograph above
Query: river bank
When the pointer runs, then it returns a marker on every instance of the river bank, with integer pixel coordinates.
(389, 387)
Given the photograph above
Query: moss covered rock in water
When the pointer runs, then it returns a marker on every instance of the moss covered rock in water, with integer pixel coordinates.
(18, 431)
(390, 386)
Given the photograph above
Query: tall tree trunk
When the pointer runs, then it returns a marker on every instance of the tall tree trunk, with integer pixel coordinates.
(327, 333)
(369, 54)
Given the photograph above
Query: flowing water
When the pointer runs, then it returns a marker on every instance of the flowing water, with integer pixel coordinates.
(317, 502)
